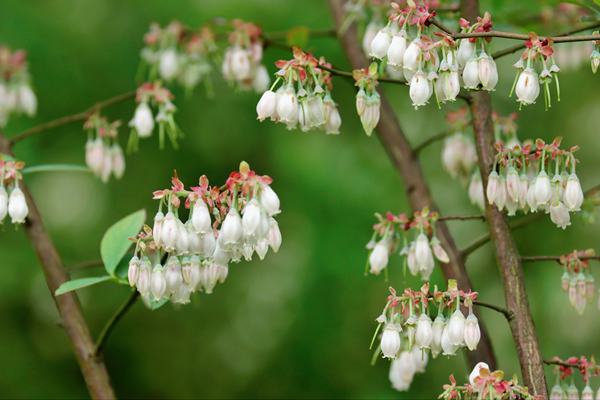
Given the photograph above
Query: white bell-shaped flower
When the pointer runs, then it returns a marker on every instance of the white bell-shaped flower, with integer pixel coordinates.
(26, 99)
(512, 184)
(118, 161)
(527, 87)
(488, 72)
(201, 221)
(424, 332)
(543, 189)
(559, 214)
(269, 200)
(448, 348)
(378, 259)
(472, 332)
(466, 51)
(448, 86)
(144, 278)
(371, 30)
(240, 64)
(396, 50)
(17, 206)
(456, 328)
(231, 229)
(133, 272)
(3, 203)
(436, 338)
(420, 359)
(168, 66)
(169, 232)
(492, 187)
(476, 191)
(267, 105)
(158, 283)
(573, 194)
(402, 371)
(420, 89)
(143, 121)
(423, 254)
(390, 340)
(471, 74)
(173, 275)
(287, 105)
(261, 80)
(333, 119)
(381, 43)
(251, 219)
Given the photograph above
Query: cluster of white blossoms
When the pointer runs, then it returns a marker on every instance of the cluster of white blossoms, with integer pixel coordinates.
(173, 53)
(304, 98)
(564, 371)
(242, 61)
(408, 330)
(536, 69)
(12, 199)
(103, 154)
(577, 279)
(519, 181)
(392, 232)
(367, 98)
(16, 94)
(174, 259)
(149, 96)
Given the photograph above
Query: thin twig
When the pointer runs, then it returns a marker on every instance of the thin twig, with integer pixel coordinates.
(461, 217)
(477, 243)
(112, 322)
(507, 314)
(347, 74)
(421, 146)
(510, 50)
(80, 116)
(554, 258)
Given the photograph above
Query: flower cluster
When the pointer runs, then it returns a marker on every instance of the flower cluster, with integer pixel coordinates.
(577, 279)
(485, 384)
(197, 252)
(148, 96)
(103, 154)
(367, 98)
(538, 56)
(408, 330)
(519, 180)
(479, 69)
(304, 97)
(392, 231)
(174, 54)
(564, 371)
(12, 199)
(242, 60)
(16, 94)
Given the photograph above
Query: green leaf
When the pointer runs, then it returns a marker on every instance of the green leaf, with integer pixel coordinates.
(298, 36)
(56, 168)
(115, 242)
(77, 284)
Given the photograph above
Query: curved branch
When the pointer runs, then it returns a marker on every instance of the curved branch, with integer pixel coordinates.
(80, 116)
(510, 50)
(461, 218)
(112, 322)
(554, 258)
(435, 138)
(92, 367)
(404, 159)
(507, 314)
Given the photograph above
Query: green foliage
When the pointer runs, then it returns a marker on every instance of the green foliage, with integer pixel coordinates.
(80, 283)
(115, 242)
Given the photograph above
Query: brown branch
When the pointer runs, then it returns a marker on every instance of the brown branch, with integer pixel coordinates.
(404, 159)
(80, 116)
(461, 218)
(435, 138)
(92, 367)
(507, 314)
(554, 258)
(510, 50)
(507, 255)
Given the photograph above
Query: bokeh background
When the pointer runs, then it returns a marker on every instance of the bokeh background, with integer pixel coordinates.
(299, 323)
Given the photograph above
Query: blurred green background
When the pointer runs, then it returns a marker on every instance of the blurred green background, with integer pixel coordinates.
(299, 323)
